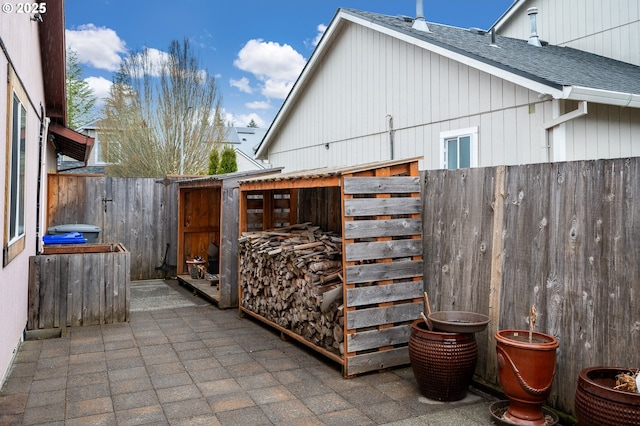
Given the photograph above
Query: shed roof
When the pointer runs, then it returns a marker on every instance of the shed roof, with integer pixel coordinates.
(228, 176)
(324, 176)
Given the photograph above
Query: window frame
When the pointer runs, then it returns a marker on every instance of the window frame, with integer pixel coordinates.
(15, 229)
(445, 136)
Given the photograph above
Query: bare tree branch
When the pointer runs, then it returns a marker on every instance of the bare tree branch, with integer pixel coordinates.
(159, 112)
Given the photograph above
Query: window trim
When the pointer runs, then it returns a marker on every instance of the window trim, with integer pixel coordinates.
(457, 133)
(14, 245)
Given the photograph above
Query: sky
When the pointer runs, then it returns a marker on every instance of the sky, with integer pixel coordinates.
(255, 49)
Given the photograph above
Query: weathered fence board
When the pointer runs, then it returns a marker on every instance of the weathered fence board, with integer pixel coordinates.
(372, 317)
(381, 206)
(370, 295)
(371, 339)
(382, 228)
(384, 271)
(373, 361)
(381, 185)
(383, 249)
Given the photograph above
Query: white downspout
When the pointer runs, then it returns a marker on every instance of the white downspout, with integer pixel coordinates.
(42, 197)
(559, 138)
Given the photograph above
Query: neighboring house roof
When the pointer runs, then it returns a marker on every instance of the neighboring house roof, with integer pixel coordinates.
(93, 125)
(245, 141)
(561, 72)
(247, 137)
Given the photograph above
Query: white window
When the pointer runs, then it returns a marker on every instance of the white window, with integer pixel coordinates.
(16, 171)
(459, 148)
(97, 148)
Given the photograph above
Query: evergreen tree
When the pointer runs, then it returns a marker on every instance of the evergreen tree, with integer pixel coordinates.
(214, 161)
(80, 98)
(228, 162)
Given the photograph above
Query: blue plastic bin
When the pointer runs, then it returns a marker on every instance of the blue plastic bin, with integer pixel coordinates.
(70, 238)
(90, 232)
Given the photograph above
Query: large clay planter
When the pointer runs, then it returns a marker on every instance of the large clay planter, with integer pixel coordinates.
(526, 372)
(598, 404)
(443, 363)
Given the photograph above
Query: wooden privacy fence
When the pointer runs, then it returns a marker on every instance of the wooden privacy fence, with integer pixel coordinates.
(564, 237)
(140, 213)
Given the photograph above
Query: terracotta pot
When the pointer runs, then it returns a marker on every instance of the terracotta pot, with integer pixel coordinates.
(443, 363)
(526, 372)
(597, 403)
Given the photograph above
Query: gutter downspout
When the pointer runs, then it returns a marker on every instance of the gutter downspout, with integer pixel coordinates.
(577, 113)
(44, 129)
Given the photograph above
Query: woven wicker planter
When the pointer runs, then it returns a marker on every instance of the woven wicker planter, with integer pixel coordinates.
(597, 403)
(443, 363)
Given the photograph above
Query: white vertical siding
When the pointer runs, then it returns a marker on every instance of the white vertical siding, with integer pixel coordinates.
(608, 28)
(367, 76)
(605, 132)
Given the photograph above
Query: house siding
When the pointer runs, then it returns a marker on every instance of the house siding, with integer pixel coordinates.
(20, 38)
(608, 28)
(368, 76)
(606, 132)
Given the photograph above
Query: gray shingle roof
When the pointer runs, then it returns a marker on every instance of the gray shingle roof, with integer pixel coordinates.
(554, 66)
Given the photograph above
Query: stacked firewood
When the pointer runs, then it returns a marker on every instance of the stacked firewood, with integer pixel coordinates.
(292, 277)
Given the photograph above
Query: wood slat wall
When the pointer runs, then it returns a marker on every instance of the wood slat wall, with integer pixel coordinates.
(383, 264)
(76, 289)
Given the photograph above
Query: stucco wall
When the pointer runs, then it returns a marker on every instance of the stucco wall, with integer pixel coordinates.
(19, 37)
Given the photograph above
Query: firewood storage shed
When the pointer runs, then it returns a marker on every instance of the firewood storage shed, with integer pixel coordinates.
(208, 224)
(332, 258)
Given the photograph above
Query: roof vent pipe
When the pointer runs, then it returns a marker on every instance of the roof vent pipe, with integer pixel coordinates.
(419, 23)
(533, 38)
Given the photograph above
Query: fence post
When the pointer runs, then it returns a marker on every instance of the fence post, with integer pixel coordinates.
(496, 269)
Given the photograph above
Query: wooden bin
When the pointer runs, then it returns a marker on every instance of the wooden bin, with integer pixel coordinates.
(208, 213)
(375, 208)
(74, 285)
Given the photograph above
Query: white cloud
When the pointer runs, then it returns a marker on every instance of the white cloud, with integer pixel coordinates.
(277, 66)
(243, 120)
(321, 29)
(99, 47)
(242, 85)
(156, 59)
(100, 87)
(278, 89)
(258, 105)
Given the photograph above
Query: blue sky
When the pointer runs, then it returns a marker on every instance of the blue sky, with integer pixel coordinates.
(254, 48)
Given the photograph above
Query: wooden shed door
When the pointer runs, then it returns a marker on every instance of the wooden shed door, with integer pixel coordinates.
(383, 270)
